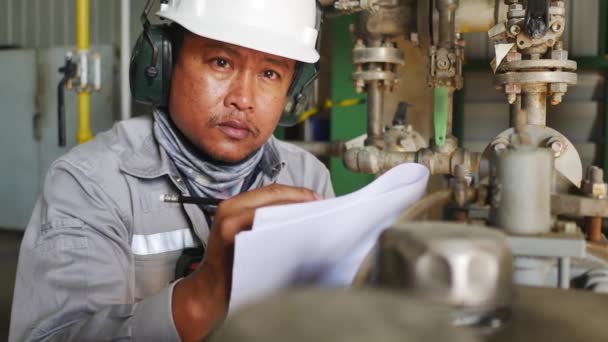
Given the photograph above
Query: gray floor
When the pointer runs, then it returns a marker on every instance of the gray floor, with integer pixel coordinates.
(9, 251)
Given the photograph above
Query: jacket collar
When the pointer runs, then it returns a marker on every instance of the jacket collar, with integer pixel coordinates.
(149, 160)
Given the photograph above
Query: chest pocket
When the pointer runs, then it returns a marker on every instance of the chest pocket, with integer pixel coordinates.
(154, 272)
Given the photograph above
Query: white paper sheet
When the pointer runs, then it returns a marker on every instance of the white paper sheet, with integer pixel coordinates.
(320, 243)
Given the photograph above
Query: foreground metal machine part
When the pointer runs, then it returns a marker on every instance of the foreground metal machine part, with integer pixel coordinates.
(341, 316)
(466, 268)
(367, 315)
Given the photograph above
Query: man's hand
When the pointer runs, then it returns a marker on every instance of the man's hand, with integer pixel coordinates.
(200, 301)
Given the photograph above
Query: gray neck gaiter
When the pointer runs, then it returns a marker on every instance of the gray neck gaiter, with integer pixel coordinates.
(204, 178)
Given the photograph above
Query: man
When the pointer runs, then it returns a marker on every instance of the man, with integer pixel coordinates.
(98, 257)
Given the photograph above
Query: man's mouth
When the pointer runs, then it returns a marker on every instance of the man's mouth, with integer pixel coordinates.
(234, 129)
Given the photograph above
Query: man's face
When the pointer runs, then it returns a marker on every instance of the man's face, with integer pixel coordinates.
(226, 99)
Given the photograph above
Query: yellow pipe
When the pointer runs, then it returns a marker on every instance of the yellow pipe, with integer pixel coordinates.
(84, 97)
(82, 24)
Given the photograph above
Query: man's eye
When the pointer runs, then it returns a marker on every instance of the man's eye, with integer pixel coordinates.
(222, 63)
(271, 74)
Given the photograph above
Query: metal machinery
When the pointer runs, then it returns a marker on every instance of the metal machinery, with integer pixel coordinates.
(525, 196)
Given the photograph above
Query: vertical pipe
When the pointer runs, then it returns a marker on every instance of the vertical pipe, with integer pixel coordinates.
(84, 97)
(82, 24)
(534, 103)
(125, 53)
(375, 109)
(517, 120)
(447, 22)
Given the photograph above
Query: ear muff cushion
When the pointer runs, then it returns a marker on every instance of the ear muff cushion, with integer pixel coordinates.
(150, 79)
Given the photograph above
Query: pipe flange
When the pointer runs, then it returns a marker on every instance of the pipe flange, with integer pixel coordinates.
(376, 75)
(378, 55)
(533, 77)
(566, 65)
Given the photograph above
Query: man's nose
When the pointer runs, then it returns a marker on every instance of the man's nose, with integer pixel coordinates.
(241, 93)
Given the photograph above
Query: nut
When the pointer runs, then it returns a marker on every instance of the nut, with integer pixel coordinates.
(596, 190)
(512, 88)
(567, 227)
(558, 87)
(556, 27)
(560, 55)
(515, 30)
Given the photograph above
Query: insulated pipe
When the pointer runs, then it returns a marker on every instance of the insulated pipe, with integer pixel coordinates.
(125, 56)
(84, 96)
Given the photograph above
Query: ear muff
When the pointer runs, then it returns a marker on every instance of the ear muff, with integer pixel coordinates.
(299, 94)
(151, 66)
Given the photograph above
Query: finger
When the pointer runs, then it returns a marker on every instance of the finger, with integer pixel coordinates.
(232, 225)
(269, 195)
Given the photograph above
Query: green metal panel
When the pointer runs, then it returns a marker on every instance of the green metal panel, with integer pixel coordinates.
(346, 122)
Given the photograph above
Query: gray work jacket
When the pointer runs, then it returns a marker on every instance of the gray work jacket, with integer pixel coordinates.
(98, 256)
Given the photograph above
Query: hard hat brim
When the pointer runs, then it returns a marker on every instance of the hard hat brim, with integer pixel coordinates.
(253, 38)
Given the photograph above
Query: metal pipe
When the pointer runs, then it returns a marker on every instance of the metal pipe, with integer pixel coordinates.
(125, 56)
(517, 118)
(322, 149)
(447, 22)
(479, 15)
(375, 110)
(534, 103)
(594, 228)
(372, 160)
(84, 97)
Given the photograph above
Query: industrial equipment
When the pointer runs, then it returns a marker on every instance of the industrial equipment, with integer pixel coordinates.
(527, 187)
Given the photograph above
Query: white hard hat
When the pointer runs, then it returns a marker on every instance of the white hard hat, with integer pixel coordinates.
(284, 28)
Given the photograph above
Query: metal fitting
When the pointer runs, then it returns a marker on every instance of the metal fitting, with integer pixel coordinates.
(515, 30)
(556, 145)
(593, 185)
